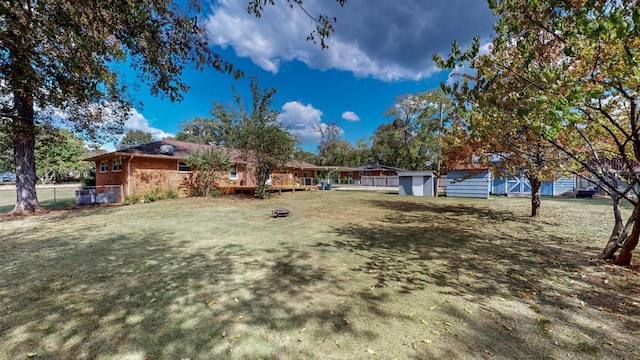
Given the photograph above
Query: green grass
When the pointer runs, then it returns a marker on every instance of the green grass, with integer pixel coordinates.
(49, 197)
(348, 275)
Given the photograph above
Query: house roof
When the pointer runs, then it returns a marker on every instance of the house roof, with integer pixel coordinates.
(370, 167)
(472, 167)
(298, 164)
(168, 149)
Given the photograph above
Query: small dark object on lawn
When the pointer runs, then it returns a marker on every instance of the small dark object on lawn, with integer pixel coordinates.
(279, 213)
(586, 193)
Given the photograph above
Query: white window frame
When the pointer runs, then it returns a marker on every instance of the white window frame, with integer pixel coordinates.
(233, 174)
(184, 165)
(105, 168)
(116, 165)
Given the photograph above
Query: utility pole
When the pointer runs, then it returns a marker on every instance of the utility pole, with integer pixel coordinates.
(437, 177)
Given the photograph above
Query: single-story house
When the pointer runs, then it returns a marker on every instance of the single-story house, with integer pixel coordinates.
(356, 174)
(160, 164)
(163, 164)
(376, 170)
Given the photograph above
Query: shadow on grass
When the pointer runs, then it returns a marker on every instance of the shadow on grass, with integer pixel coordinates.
(66, 298)
(486, 256)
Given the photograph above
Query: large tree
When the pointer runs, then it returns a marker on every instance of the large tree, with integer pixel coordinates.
(253, 130)
(199, 130)
(64, 56)
(411, 140)
(59, 152)
(497, 121)
(579, 63)
(134, 138)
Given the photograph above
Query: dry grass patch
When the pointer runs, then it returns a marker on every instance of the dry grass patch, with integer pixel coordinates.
(348, 275)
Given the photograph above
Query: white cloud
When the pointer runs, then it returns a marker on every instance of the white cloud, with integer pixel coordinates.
(137, 121)
(302, 121)
(350, 116)
(387, 41)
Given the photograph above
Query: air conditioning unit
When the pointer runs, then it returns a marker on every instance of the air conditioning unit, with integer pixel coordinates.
(166, 149)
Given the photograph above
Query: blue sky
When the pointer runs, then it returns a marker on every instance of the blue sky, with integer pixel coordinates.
(380, 50)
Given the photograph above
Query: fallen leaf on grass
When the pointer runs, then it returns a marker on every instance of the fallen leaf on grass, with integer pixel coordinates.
(210, 303)
(507, 327)
(424, 321)
(448, 323)
(435, 332)
(433, 307)
(488, 352)
(426, 341)
(303, 330)
(467, 310)
(371, 352)
(32, 354)
(338, 343)
(412, 314)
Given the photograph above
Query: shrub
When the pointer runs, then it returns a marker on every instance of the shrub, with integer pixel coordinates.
(262, 192)
(90, 179)
(172, 194)
(150, 197)
(159, 194)
(132, 199)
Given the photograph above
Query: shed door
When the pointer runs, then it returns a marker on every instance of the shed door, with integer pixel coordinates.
(518, 185)
(417, 185)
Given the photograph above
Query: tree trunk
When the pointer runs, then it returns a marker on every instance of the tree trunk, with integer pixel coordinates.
(24, 146)
(535, 196)
(615, 239)
(624, 258)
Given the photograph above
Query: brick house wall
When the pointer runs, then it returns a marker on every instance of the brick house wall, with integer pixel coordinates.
(141, 175)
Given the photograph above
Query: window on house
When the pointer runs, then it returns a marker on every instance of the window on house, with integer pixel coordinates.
(183, 166)
(104, 166)
(117, 165)
(233, 175)
(295, 173)
(351, 174)
(361, 173)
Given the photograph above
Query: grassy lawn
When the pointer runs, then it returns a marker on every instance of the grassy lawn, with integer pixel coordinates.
(349, 275)
(49, 197)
